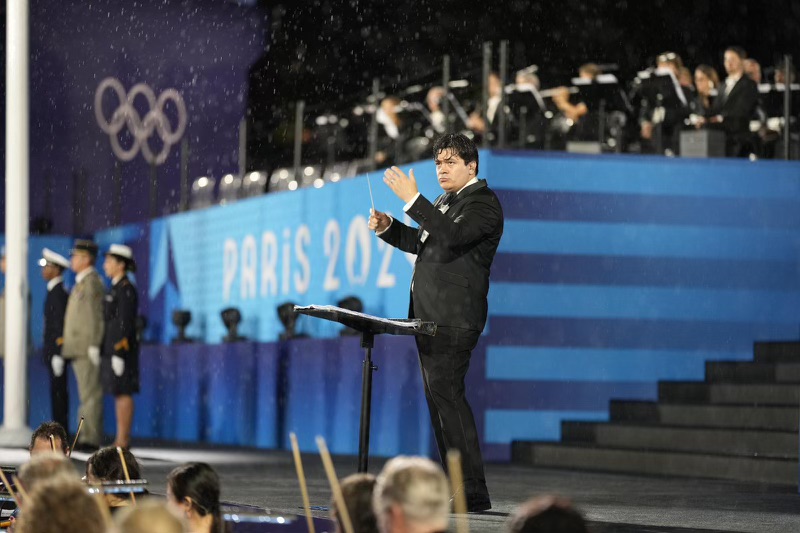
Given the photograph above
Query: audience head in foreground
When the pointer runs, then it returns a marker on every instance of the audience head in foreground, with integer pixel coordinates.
(149, 516)
(45, 467)
(193, 491)
(357, 491)
(61, 505)
(411, 495)
(547, 514)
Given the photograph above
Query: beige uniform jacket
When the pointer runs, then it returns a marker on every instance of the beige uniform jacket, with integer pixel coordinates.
(83, 321)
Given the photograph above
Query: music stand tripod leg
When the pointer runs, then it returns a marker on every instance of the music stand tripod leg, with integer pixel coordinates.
(367, 342)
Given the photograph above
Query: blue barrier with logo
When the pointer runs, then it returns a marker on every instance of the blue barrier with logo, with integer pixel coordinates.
(613, 273)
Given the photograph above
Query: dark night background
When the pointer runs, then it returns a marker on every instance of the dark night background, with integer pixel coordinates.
(328, 51)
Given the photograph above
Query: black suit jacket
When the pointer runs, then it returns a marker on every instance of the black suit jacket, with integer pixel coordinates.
(737, 108)
(55, 306)
(451, 275)
(120, 310)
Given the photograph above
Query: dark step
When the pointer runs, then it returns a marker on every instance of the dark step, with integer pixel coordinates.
(777, 352)
(683, 439)
(728, 393)
(775, 418)
(748, 372)
(581, 457)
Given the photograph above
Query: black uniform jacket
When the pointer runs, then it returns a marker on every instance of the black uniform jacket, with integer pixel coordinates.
(120, 309)
(55, 305)
(451, 274)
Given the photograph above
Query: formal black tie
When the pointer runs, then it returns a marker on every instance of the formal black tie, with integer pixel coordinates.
(449, 197)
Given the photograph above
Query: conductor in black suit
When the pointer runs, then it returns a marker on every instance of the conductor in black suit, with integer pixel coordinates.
(55, 306)
(455, 244)
(735, 105)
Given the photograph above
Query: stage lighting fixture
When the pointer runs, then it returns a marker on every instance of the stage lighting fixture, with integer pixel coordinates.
(288, 318)
(231, 317)
(202, 194)
(255, 184)
(181, 319)
(230, 189)
(351, 303)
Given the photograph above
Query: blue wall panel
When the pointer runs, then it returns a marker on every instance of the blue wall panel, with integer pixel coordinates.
(613, 273)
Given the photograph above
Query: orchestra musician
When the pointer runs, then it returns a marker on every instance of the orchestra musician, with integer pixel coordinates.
(392, 133)
(670, 113)
(735, 105)
(706, 81)
(476, 122)
(193, 492)
(106, 465)
(561, 96)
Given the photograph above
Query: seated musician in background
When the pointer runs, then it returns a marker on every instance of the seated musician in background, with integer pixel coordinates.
(686, 79)
(735, 105)
(434, 102)
(357, 490)
(525, 102)
(706, 81)
(547, 514)
(779, 77)
(40, 440)
(105, 465)
(574, 112)
(770, 137)
(391, 133)
(670, 113)
(193, 492)
(476, 123)
(580, 126)
(412, 495)
(753, 69)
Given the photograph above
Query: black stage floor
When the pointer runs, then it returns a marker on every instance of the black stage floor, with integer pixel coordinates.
(610, 502)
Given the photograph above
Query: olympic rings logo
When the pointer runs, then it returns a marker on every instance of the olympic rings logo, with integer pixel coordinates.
(140, 128)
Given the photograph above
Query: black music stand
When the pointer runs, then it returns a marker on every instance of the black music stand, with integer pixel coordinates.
(368, 326)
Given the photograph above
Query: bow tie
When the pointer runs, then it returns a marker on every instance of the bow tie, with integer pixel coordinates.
(448, 198)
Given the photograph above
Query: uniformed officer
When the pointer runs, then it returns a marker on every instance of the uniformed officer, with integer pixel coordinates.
(55, 306)
(120, 357)
(83, 336)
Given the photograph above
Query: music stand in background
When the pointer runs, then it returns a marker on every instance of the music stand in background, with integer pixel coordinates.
(605, 96)
(662, 89)
(368, 326)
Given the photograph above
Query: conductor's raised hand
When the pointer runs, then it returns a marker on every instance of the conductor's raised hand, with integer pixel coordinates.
(378, 222)
(405, 187)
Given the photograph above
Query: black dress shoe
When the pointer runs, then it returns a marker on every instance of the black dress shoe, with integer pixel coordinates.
(475, 504)
(478, 504)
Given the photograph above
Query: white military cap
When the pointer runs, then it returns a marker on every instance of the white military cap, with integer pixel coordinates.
(124, 253)
(50, 256)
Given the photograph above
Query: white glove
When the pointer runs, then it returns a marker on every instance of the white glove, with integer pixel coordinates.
(94, 355)
(117, 365)
(57, 364)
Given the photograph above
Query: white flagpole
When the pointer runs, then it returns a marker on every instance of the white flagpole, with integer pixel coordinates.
(14, 431)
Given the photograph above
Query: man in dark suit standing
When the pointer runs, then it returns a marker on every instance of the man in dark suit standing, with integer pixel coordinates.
(55, 306)
(455, 245)
(735, 105)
